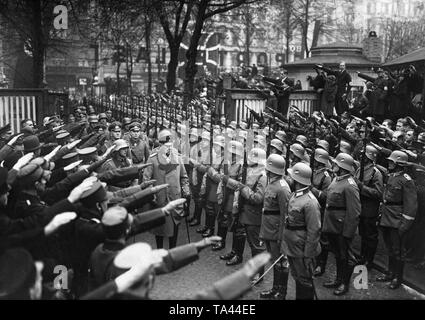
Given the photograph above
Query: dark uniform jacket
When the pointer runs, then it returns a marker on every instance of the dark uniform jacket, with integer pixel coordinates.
(343, 207)
(301, 233)
(399, 202)
(276, 196)
(139, 151)
(370, 190)
(253, 194)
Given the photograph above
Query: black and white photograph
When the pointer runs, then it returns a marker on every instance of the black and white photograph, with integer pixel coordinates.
(240, 151)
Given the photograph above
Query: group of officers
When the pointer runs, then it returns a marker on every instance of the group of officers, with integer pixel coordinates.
(297, 188)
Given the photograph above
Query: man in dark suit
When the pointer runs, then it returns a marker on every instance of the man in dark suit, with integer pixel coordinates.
(343, 80)
(283, 86)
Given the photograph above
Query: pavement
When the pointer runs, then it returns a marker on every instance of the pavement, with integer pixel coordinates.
(184, 283)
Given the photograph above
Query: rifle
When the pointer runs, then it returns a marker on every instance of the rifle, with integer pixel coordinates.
(244, 175)
(314, 148)
(363, 159)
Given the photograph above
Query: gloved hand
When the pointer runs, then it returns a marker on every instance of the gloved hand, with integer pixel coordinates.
(58, 221)
(207, 242)
(254, 264)
(78, 191)
(23, 161)
(14, 139)
(175, 207)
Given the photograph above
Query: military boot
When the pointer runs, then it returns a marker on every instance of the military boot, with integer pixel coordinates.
(283, 285)
(398, 279)
(202, 229)
(258, 277)
(238, 247)
(338, 279)
(268, 294)
(303, 292)
(391, 271)
(222, 232)
(228, 255)
(345, 285)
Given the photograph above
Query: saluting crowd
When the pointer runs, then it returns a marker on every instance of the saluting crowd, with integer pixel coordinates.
(299, 188)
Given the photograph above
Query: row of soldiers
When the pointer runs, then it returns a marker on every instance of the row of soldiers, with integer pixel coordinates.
(297, 188)
(73, 193)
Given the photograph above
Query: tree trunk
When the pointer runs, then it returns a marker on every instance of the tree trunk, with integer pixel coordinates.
(247, 37)
(192, 52)
(172, 67)
(148, 51)
(305, 29)
(118, 78)
(129, 68)
(38, 46)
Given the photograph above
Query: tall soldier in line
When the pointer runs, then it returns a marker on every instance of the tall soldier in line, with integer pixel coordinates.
(212, 187)
(234, 169)
(341, 220)
(195, 178)
(139, 149)
(371, 188)
(301, 234)
(252, 193)
(322, 178)
(398, 212)
(167, 168)
(276, 198)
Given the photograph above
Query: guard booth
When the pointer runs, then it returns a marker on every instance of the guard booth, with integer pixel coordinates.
(19, 104)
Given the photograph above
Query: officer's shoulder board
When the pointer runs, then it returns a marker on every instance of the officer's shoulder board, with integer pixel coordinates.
(311, 195)
(326, 173)
(407, 177)
(153, 154)
(283, 183)
(352, 182)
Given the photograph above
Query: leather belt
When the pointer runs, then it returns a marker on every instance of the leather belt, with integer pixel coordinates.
(336, 208)
(271, 212)
(295, 228)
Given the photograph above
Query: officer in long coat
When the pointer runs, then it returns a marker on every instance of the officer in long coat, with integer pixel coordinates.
(398, 212)
(276, 198)
(167, 168)
(301, 234)
(341, 220)
(371, 188)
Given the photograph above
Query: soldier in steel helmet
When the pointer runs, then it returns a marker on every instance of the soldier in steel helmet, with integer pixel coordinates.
(341, 220)
(301, 233)
(276, 196)
(322, 178)
(371, 187)
(398, 212)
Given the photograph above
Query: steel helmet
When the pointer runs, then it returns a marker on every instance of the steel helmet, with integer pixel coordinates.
(298, 151)
(345, 146)
(302, 140)
(276, 143)
(243, 125)
(421, 137)
(220, 141)
(206, 135)
(243, 134)
(126, 121)
(301, 173)
(194, 132)
(120, 144)
(276, 164)
(235, 147)
(345, 161)
(257, 155)
(321, 156)
(230, 133)
(323, 144)
(233, 125)
(281, 135)
(398, 157)
(371, 152)
(261, 140)
(163, 134)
